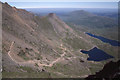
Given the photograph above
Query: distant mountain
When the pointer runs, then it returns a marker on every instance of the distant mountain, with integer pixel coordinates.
(81, 13)
(84, 18)
(113, 15)
(93, 23)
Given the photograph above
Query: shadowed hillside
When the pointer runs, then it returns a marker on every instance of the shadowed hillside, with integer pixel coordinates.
(110, 71)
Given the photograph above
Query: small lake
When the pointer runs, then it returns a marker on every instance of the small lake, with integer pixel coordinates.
(96, 54)
(111, 42)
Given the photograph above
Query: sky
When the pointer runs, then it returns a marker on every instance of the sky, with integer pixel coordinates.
(59, 0)
(63, 3)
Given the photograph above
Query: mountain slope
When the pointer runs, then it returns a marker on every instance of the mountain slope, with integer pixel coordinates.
(112, 67)
(41, 45)
(96, 24)
(81, 17)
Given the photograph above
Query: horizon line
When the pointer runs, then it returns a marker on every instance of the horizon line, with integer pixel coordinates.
(59, 7)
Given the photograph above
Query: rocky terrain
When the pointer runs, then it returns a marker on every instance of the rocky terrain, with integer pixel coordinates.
(110, 71)
(43, 47)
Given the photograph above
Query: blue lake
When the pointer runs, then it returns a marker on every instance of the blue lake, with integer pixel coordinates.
(111, 42)
(96, 54)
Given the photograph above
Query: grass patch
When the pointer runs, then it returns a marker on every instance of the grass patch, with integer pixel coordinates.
(26, 75)
(76, 43)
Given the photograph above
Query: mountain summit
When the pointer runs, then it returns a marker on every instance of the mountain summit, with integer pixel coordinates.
(52, 15)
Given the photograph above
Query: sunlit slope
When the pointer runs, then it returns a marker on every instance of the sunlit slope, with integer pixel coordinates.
(42, 44)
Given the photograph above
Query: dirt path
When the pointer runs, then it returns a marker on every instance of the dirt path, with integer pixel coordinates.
(9, 52)
(55, 61)
(33, 62)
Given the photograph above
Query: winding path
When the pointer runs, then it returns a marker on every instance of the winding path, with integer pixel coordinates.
(49, 65)
(10, 52)
(33, 62)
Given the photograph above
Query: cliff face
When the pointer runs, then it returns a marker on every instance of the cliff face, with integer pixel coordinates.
(110, 71)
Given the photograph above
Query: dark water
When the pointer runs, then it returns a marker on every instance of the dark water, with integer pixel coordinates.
(96, 54)
(111, 42)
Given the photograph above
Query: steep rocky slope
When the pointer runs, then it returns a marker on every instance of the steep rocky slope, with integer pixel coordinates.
(110, 71)
(42, 46)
